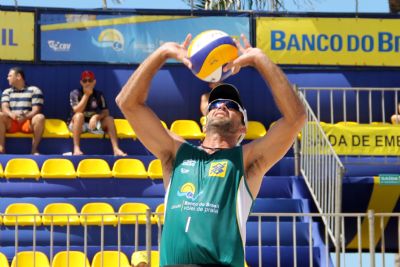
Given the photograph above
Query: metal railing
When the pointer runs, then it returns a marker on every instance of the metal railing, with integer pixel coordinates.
(322, 171)
(359, 104)
(313, 240)
(35, 221)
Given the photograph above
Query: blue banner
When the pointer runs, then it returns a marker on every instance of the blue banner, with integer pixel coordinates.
(122, 39)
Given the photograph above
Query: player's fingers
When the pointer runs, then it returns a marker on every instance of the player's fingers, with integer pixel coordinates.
(245, 41)
(187, 62)
(186, 43)
(239, 46)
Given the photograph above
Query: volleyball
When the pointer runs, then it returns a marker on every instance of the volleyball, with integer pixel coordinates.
(209, 52)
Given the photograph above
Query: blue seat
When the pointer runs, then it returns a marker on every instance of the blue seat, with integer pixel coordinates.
(276, 205)
(269, 256)
(269, 237)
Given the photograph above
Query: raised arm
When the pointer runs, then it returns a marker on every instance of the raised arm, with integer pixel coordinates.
(132, 102)
(261, 154)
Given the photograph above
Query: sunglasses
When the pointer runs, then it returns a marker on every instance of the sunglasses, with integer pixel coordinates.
(87, 80)
(227, 103)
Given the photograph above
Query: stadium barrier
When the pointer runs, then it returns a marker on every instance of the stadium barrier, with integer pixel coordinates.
(322, 171)
(281, 245)
(352, 104)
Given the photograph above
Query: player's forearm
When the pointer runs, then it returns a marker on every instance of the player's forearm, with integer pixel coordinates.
(285, 97)
(136, 89)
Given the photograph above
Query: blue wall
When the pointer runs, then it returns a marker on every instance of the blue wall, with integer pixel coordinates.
(175, 92)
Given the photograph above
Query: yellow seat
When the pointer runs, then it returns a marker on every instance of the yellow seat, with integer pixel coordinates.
(255, 129)
(3, 260)
(164, 124)
(1, 170)
(380, 123)
(187, 129)
(70, 259)
(154, 169)
(124, 129)
(109, 258)
(160, 209)
(55, 128)
(129, 168)
(19, 135)
(103, 211)
(24, 220)
(60, 208)
(30, 259)
(58, 168)
(141, 256)
(93, 168)
(134, 208)
(347, 123)
(203, 120)
(22, 168)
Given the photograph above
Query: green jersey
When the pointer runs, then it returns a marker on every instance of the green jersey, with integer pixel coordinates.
(207, 206)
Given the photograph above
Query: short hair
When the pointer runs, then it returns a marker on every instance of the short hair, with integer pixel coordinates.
(19, 70)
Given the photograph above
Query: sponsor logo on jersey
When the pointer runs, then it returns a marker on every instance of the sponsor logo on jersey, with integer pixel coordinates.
(189, 162)
(218, 168)
(184, 170)
(188, 190)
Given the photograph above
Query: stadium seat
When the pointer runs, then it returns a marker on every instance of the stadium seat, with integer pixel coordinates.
(347, 123)
(93, 168)
(21, 208)
(30, 259)
(129, 168)
(203, 120)
(3, 260)
(55, 128)
(188, 129)
(134, 208)
(255, 129)
(154, 169)
(22, 168)
(164, 124)
(98, 208)
(60, 208)
(141, 256)
(1, 170)
(70, 259)
(58, 168)
(160, 209)
(110, 259)
(19, 135)
(380, 123)
(124, 129)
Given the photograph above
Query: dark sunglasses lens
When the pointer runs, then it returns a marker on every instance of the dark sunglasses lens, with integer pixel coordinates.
(228, 104)
(232, 105)
(87, 80)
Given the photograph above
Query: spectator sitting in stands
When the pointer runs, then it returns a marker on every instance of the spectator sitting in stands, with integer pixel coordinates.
(21, 107)
(204, 98)
(90, 113)
(396, 117)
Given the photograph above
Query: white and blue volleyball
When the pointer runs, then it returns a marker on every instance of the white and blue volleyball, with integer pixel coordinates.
(209, 52)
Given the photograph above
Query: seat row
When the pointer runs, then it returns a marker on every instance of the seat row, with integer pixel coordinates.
(75, 258)
(92, 213)
(87, 168)
(188, 129)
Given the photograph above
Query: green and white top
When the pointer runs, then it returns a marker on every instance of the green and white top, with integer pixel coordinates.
(207, 206)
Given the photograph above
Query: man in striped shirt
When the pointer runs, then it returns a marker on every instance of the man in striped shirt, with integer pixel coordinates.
(21, 107)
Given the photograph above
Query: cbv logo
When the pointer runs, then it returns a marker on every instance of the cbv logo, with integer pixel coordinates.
(58, 46)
